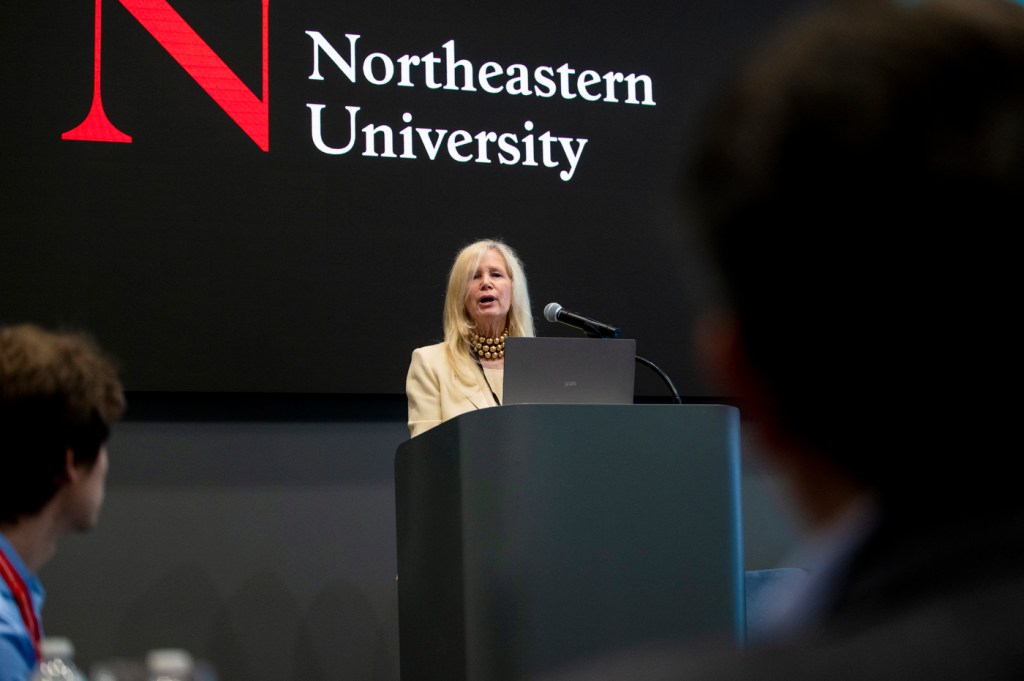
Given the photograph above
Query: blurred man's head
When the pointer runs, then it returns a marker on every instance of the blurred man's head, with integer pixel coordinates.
(861, 187)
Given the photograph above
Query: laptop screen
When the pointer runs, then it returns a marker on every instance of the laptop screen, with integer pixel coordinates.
(569, 370)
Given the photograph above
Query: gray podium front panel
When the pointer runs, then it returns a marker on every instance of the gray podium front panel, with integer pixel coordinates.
(533, 535)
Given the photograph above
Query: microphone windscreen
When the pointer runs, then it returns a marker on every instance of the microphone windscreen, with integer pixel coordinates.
(551, 311)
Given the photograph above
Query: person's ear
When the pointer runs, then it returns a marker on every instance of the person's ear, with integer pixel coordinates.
(729, 369)
(71, 471)
(718, 349)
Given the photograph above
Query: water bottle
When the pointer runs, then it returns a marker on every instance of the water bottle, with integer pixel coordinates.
(57, 661)
(170, 664)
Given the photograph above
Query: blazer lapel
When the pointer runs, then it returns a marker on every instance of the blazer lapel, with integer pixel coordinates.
(477, 392)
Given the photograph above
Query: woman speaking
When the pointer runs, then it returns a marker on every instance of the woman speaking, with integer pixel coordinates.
(487, 301)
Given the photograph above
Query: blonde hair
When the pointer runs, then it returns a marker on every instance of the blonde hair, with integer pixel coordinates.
(457, 322)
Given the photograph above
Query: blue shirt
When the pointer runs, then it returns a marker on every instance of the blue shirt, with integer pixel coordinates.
(17, 653)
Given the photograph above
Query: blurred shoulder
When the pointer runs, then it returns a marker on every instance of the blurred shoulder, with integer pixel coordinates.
(432, 356)
(429, 353)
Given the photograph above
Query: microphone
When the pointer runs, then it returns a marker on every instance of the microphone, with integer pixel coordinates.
(553, 312)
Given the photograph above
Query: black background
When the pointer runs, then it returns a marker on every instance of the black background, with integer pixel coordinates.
(206, 264)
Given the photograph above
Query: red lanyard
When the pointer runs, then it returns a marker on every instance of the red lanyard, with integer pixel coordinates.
(21, 596)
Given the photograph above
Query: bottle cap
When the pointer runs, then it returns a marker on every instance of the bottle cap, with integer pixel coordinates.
(56, 646)
(169, 661)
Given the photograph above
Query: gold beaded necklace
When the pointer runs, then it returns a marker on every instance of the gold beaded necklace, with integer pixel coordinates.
(488, 348)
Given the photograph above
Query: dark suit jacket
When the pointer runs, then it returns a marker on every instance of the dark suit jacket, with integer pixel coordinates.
(930, 598)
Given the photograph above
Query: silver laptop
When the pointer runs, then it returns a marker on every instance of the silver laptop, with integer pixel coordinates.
(569, 370)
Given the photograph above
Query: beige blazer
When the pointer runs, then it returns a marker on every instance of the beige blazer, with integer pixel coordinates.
(437, 394)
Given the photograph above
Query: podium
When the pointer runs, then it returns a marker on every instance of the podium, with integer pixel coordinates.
(531, 536)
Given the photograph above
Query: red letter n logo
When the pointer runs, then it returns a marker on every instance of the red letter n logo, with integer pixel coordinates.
(251, 113)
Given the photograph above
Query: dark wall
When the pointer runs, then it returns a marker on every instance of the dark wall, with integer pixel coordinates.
(267, 546)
